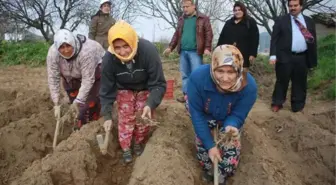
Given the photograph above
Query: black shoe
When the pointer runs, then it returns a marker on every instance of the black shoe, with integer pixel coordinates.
(138, 149)
(127, 155)
(297, 110)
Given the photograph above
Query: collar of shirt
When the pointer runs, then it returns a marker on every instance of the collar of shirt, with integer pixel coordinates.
(299, 17)
(189, 16)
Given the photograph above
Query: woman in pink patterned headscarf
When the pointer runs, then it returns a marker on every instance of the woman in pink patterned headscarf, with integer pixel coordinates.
(220, 95)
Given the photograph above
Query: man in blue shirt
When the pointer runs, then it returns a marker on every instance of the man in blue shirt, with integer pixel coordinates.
(293, 51)
(220, 94)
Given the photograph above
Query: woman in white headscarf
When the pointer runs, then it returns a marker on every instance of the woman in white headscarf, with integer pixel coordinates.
(75, 60)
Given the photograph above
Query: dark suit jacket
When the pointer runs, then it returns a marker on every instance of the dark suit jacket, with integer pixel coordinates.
(281, 40)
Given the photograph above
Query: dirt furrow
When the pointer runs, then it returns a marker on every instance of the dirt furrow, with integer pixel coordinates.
(169, 157)
(78, 161)
(73, 162)
(305, 151)
(18, 106)
(24, 141)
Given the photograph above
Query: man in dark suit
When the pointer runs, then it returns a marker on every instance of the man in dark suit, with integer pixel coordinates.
(293, 51)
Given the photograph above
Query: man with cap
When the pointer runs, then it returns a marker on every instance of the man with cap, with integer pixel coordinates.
(101, 22)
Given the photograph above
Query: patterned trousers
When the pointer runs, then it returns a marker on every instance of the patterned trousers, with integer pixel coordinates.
(130, 103)
(230, 153)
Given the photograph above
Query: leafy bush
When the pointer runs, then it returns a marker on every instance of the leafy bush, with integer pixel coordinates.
(323, 77)
(26, 53)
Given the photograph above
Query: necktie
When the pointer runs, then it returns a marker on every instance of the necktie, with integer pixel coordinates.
(306, 34)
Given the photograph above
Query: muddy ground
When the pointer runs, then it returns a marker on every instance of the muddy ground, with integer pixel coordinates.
(278, 148)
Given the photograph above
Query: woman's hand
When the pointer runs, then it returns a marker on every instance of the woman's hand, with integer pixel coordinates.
(214, 153)
(74, 109)
(251, 59)
(147, 112)
(231, 129)
(108, 125)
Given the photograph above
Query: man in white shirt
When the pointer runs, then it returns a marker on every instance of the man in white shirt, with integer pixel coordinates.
(293, 52)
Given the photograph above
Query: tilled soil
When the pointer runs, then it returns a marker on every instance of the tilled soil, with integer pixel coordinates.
(278, 148)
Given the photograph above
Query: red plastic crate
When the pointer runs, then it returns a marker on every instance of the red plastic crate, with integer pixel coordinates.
(170, 90)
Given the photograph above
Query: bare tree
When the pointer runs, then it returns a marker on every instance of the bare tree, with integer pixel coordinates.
(48, 15)
(4, 22)
(268, 10)
(124, 9)
(171, 10)
(72, 13)
(168, 10)
(217, 10)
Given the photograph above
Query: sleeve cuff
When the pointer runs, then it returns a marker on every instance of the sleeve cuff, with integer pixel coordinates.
(210, 144)
(273, 57)
(107, 112)
(78, 101)
(233, 122)
(149, 104)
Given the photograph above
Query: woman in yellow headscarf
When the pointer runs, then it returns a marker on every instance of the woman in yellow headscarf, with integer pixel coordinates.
(132, 75)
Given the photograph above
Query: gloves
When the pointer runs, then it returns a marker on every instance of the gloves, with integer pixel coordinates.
(108, 125)
(57, 111)
(74, 109)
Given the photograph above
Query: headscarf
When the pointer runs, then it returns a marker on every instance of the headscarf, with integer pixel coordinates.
(228, 55)
(65, 36)
(123, 30)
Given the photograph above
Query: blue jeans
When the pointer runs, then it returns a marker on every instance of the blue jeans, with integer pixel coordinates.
(189, 61)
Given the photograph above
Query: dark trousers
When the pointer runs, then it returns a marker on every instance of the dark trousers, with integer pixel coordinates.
(295, 70)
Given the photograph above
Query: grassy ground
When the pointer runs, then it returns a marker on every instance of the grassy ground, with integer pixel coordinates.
(323, 77)
(32, 54)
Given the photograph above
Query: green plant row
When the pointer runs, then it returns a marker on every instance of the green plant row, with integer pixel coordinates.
(23, 53)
